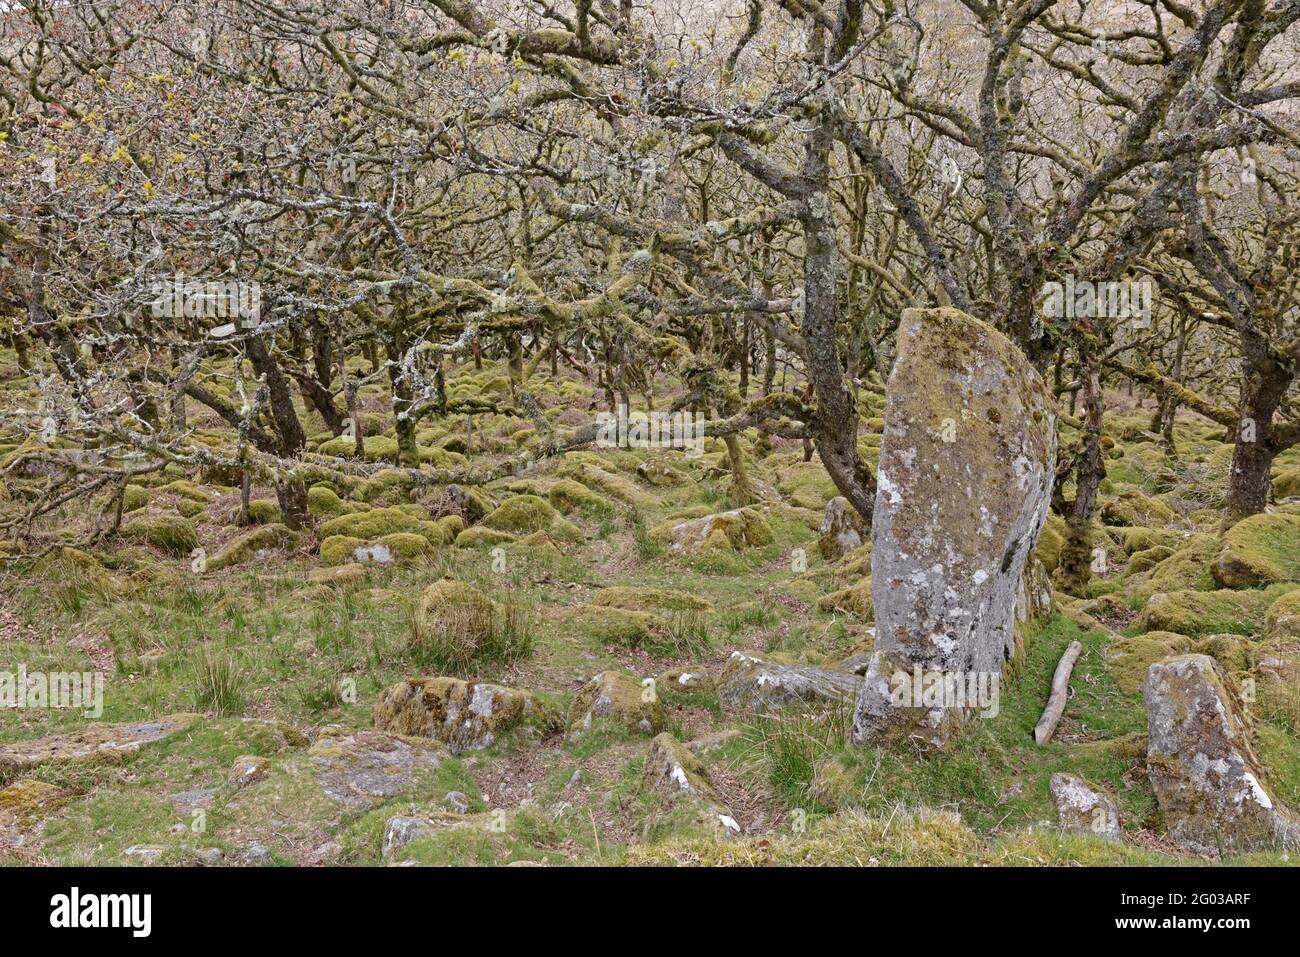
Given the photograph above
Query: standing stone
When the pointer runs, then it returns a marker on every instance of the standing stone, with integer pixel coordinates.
(962, 491)
(1200, 764)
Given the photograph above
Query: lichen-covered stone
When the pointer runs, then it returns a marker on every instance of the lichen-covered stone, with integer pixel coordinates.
(363, 769)
(750, 682)
(1205, 775)
(248, 769)
(1260, 549)
(1080, 808)
(464, 715)
(962, 493)
(660, 474)
(842, 529)
(618, 697)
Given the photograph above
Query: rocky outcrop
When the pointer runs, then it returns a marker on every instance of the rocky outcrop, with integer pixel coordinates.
(755, 683)
(963, 487)
(95, 742)
(1201, 766)
(464, 715)
(1080, 808)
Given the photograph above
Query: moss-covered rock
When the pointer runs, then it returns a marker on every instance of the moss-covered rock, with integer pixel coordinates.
(324, 502)
(443, 531)
(613, 626)
(1130, 658)
(651, 599)
(570, 496)
(751, 682)
(856, 599)
(464, 715)
(734, 530)
(172, 533)
(1260, 549)
(263, 511)
(339, 549)
(372, 524)
(479, 535)
(405, 546)
(1136, 508)
(1208, 612)
(525, 514)
(134, 498)
(682, 782)
(1286, 483)
(620, 698)
(257, 544)
(1283, 616)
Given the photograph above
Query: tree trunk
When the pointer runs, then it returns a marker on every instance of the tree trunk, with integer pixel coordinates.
(1254, 446)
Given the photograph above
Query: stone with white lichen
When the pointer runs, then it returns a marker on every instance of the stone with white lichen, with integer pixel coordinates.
(963, 490)
(1206, 778)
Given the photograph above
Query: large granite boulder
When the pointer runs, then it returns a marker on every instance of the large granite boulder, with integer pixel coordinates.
(963, 489)
(1206, 778)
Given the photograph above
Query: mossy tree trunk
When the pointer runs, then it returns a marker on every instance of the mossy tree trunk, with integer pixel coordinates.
(1075, 568)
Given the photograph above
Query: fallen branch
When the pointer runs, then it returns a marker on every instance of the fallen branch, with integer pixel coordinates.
(1046, 726)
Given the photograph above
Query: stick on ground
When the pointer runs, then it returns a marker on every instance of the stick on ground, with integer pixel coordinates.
(1046, 726)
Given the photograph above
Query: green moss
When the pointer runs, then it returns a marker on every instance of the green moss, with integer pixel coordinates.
(651, 599)
(570, 496)
(856, 598)
(324, 502)
(134, 498)
(263, 511)
(1214, 612)
(378, 448)
(338, 549)
(405, 545)
(372, 524)
(187, 490)
(525, 514)
(478, 536)
(613, 626)
(1136, 509)
(1260, 549)
(247, 546)
(1286, 484)
(173, 534)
